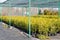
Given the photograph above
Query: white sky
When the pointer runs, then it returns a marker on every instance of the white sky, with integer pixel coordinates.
(1, 1)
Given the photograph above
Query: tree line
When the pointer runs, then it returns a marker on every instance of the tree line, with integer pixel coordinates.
(48, 12)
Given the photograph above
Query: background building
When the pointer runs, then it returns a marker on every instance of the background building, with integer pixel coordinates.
(16, 11)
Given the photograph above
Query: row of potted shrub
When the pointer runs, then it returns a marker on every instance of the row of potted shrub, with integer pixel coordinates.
(39, 25)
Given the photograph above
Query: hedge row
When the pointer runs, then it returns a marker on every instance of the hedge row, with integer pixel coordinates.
(39, 25)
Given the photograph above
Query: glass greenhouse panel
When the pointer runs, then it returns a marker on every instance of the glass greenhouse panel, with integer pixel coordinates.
(34, 3)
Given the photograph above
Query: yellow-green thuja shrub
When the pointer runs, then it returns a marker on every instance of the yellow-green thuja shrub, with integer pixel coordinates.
(43, 25)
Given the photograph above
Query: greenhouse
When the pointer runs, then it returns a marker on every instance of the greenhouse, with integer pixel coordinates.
(38, 18)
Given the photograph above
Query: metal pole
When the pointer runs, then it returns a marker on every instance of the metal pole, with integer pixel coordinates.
(29, 17)
(10, 16)
(59, 9)
(1, 13)
(22, 11)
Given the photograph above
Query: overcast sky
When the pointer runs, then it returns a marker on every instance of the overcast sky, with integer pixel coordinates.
(2, 1)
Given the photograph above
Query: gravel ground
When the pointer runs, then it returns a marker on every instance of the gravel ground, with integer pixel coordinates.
(13, 34)
(57, 37)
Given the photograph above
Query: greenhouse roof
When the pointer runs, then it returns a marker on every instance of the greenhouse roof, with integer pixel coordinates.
(34, 3)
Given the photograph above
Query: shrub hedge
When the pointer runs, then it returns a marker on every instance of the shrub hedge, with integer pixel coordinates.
(43, 25)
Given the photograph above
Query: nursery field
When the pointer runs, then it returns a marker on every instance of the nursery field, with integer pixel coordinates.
(42, 25)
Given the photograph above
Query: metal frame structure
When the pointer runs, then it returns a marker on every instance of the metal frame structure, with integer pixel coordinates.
(30, 3)
(34, 3)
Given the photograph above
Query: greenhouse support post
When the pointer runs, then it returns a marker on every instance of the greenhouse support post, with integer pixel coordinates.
(29, 7)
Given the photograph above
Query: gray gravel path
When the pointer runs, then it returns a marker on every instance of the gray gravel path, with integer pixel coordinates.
(12, 34)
